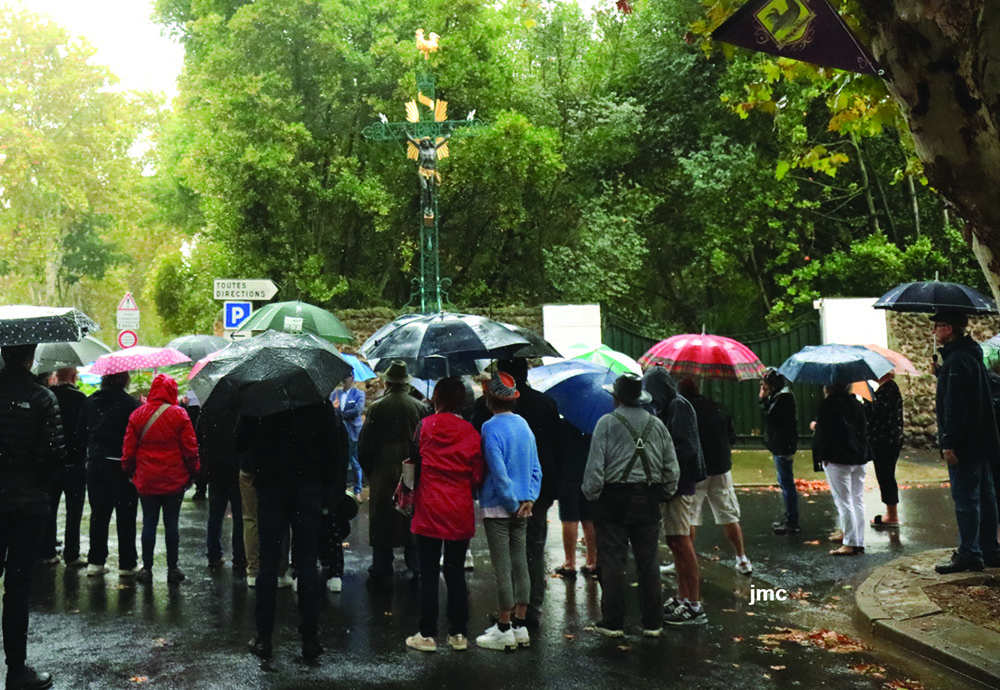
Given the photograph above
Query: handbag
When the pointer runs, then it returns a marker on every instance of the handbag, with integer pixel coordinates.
(404, 498)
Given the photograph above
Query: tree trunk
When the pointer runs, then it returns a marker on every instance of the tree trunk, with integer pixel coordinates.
(942, 68)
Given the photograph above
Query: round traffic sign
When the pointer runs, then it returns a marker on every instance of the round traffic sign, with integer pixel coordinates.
(127, 339)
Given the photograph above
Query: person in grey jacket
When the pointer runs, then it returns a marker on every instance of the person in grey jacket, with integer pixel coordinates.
(622, 475)
(31, 452)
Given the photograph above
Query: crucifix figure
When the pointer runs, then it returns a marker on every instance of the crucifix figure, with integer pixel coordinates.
(427, 130)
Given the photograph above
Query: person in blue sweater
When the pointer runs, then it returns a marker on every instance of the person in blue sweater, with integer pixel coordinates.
(513, 480)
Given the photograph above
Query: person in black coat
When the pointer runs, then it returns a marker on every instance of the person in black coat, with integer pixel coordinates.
(781, 437)
(101, 429)
(542, 414)
(969, 442)
(294, 456)
(216, 429)
(71, 479)
(31, 448)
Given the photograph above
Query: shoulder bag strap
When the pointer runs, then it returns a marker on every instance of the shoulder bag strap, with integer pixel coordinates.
(156, 415)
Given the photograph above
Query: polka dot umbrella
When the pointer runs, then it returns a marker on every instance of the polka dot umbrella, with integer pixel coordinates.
(138, 357)
(22, 324)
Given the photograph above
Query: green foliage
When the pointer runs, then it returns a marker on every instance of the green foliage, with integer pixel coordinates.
(182, 286)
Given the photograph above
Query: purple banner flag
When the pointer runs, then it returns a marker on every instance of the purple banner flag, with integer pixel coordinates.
(806, 30)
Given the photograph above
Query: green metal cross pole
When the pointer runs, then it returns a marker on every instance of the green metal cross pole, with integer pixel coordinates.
(427, 130)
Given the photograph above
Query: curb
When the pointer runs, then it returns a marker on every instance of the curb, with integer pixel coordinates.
(893, 607)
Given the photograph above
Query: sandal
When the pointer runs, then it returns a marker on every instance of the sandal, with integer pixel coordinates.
(565, 572)
(836, 536)
(848, 551)
(588, 571)
(878, 522)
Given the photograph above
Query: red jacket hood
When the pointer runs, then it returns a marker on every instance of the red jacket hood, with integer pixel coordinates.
(163, 390)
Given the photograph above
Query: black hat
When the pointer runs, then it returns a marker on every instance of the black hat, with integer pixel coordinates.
(774, 379)
(955, 319)
(628, 389)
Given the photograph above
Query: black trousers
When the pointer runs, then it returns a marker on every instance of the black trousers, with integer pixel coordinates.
(429, 556)
(20, 539)
(72, 481)
(884, 458)
(110, 492)
(628, 517)
(535, 535)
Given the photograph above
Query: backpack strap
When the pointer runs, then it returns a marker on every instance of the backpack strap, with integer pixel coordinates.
(640, 448)
(156, 415)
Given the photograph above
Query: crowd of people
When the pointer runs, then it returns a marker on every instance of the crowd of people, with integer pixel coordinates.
(293, 482)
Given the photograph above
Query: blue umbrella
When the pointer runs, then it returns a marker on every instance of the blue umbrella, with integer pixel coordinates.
(834, 365)
(575, 385)
(362, 372)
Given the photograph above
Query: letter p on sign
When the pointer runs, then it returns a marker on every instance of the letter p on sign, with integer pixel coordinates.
(235, 313)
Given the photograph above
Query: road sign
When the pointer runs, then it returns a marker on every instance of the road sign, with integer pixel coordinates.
(235, 313)
(127, 339)
(128, 320)
(128, 313)
(128, 303)
(244, 289)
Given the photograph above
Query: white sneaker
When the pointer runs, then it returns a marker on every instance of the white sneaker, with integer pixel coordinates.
(295, 584)
(469, 563)
(335, 584)
(129, 573)
(458, 642)
(743, 566)
(494, 638)
(251, 581)
(522, 637)
(94, 570)
(668, 569)
(285, 581)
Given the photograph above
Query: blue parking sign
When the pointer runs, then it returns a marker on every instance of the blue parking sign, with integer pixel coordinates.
(235, 313)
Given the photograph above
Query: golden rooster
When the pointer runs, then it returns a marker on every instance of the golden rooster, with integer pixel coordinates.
(427, 45)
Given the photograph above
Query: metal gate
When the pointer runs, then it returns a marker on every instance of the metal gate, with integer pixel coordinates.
(740, 397)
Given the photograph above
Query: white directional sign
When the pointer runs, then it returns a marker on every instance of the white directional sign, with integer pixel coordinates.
(244, 289)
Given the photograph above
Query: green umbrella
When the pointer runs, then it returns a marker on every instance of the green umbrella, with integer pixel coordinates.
(617, 362)
(297, 317)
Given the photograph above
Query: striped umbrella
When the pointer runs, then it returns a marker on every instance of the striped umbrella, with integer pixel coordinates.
(705, 356)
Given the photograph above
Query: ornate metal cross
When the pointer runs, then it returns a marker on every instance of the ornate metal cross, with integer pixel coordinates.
(426, 131)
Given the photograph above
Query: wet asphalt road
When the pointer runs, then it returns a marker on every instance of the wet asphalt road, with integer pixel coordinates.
(103, 633)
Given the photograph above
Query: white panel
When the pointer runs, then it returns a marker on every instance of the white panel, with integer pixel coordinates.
(852, 321)
(572, 324)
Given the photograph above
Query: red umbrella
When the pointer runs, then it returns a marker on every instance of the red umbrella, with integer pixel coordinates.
(138, 357)
(706, 356)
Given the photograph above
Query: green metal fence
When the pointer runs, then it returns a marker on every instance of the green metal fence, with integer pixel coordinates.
(741, 397)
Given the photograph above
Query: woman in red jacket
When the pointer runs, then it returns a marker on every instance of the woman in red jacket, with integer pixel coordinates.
(449, 467)
(160, 453)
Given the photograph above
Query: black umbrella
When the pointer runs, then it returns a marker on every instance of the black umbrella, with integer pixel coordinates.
(22, 324)
(442, 344)
(271, 373)
(933, 296)
(198, 346)
(537, 345)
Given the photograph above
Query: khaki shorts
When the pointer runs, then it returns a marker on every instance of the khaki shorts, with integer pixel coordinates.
(718, 490)
(677, 516)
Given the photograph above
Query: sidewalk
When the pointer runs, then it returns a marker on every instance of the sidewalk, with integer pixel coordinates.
(893, 606)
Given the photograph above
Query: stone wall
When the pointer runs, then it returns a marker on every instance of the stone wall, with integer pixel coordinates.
(911, 335)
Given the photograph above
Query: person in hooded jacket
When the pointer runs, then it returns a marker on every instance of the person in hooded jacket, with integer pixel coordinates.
(681, 421)
(160, 453)
(101, 428)
(449, 468)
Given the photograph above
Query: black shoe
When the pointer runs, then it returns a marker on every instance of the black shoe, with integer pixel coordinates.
(785, 526)
(174, 575)
(28, 679)
(311, 648)
(145, 576)
(260, 647)
(960, 563)
(992, 561)
(199, 496)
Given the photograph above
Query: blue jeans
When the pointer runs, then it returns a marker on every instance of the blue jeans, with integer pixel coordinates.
(786, 480)
(151, 506)
(220, 495)
(354, 467)
(279, 506)
(975, 508)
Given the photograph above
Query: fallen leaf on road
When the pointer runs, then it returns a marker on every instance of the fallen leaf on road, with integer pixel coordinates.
(160, 642)
(904, 685)
(138, 679)
(814, 542)
(568, 636)
(868, 670)
(778, 668)
(624, 648)
(738, 638)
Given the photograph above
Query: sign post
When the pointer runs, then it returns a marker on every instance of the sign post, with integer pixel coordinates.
(127, 317)
(235, 313)
(255, 289)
